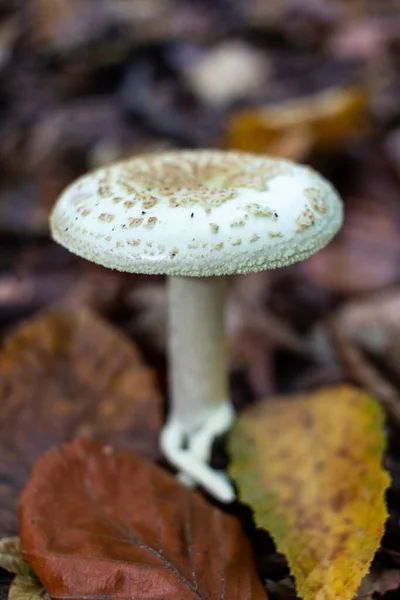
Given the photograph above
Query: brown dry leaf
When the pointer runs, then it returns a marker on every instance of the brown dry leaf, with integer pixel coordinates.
(310, 468)
(100, 522)
(324, 121)
(63, 375)
(11, 557)
(27, 588)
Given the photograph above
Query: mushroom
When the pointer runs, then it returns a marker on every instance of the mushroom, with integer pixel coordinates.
(197, 216)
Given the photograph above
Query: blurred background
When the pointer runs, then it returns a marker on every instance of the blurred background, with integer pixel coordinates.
(86, 82)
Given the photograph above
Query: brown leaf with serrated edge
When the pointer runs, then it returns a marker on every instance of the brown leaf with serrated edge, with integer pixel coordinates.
(310, 468)
(63, 375)
(11, 557)
(100, 522)
(27, 588)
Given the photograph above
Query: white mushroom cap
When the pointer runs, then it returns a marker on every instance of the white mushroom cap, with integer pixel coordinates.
(197, 213)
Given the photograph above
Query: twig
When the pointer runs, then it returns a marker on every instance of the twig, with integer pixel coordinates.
(361, 371)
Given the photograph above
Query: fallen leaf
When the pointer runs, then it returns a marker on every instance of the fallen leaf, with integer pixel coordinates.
(310, 468)
(100, 522)
(11, 557)
(27, 588)
(323, 121)
(64, 375)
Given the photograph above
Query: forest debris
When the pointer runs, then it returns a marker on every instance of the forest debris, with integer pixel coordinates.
(11, 557)
(382, 76)
(60, 24)
(373, 324)
(362, 371)
(21, 295)
(327, 120)
(90, 511)
(27, 588)
(8, 34)
(364, 257)
(148, 300)
(76, 128)
(69, 374)
(363, 38)
(321, 497)
(70, 25)
(393, 148)
(227, 72)
(25, 585)
(253, 331)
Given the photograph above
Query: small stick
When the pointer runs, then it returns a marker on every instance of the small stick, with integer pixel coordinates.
(363, 372)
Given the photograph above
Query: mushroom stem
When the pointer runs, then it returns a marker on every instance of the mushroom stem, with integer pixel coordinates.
(197, 350)
(200, 408)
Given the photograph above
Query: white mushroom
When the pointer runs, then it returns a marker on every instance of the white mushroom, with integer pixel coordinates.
(197, 216)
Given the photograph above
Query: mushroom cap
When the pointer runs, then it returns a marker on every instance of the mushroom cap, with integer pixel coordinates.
(197, 213)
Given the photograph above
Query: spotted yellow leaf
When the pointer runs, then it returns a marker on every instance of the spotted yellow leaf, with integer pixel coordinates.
(11, 557)
(310, 468)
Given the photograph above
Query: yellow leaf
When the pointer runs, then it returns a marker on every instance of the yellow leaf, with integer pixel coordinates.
(310, 468)
(11, 557)
(27, 588)
(324, 122)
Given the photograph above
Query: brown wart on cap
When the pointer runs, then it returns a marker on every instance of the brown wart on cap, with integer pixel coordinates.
(197, 216)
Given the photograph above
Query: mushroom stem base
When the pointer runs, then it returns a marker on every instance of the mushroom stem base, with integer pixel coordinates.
(191, 454)
(200, 408)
